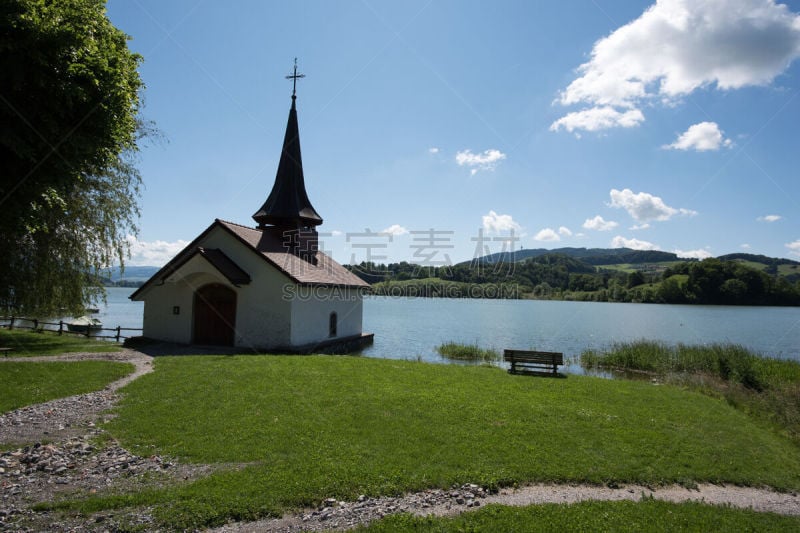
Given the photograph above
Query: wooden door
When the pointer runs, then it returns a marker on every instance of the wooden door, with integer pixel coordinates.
(214, 315)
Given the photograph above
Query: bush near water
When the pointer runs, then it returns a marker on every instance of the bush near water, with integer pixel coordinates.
(467, 352)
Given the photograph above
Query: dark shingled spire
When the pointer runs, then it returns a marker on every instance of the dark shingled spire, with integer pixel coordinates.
(288, 205)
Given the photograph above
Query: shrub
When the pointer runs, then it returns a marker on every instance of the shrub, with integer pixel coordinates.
(467, 352)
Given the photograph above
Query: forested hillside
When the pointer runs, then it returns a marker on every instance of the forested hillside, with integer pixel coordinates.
(740, 279)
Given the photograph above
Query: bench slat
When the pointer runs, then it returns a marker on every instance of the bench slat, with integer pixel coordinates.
(535, 358)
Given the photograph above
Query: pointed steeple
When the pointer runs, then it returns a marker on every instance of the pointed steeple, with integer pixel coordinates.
(288, 206)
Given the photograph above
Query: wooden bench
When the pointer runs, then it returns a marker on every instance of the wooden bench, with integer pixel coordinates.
(533, 362)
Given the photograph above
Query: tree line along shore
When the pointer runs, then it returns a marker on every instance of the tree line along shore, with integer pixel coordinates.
(737, 279)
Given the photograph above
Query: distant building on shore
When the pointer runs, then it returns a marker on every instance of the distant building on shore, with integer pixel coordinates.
(260, 288)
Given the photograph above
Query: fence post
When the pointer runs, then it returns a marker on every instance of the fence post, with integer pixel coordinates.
(35, 324)
(118, 330)
(60, 327)
(11, 325)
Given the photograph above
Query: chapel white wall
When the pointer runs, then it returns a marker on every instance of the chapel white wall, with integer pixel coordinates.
(160, 322)
(311, 310)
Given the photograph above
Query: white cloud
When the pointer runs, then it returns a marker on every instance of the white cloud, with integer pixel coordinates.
(495, 223)
(598, 223)
(769, 218)
(547, 235)
(637, 227)
(701, 137)
(433, 150)
(484, 161)
(678, 46)
(153, 253)
(693, 254)
(598, 118)
(635, 244)
(794, 247)
(745, 246)
(395, 230)
(336, 233)
(644, 207)
(565, 231)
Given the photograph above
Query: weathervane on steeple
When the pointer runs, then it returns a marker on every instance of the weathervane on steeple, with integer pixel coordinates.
(294, 77)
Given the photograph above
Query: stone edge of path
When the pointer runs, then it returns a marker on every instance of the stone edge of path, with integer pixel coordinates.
(336, 515)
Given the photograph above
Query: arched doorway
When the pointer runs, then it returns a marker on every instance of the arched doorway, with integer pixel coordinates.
(214, 315)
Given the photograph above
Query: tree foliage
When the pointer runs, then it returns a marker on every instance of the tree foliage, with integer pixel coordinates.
(69, 128)
(557, 276)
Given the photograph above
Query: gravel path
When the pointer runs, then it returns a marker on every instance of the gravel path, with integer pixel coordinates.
(340, 516)
(81, 458)
(68, 417)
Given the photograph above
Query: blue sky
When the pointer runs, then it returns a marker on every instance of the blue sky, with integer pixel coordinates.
(435, 130)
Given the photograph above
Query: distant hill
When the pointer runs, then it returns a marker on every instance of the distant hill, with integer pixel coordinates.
(592, 256)
(133, 273)
(753, 258)
(614, 256)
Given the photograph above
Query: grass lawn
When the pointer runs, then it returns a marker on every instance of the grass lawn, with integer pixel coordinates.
(649, 515)
(29, 383)
(309, 428)
(767, 389)
(27, 343)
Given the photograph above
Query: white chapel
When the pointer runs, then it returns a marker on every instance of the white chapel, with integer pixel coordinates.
(263, 288)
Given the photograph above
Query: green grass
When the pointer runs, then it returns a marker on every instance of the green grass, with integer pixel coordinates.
(30, 383)
(27, 343)
(648, 515)
(633, 267)
(467, 352)
(310, 428)
(763, 387)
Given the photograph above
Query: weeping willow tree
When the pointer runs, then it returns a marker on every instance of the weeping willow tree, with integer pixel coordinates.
(69, 136)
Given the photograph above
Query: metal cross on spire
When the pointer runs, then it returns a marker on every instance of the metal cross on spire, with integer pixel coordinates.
(294, 77)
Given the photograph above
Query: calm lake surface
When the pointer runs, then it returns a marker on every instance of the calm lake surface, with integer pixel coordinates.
(411, 328)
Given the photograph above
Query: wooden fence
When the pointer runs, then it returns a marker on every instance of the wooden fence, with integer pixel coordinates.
(39, 325)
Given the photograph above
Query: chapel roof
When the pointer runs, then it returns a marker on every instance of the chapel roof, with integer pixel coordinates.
(324, 271)
(288, 203)
(216, 257)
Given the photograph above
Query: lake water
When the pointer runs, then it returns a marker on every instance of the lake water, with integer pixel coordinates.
(411, 328)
